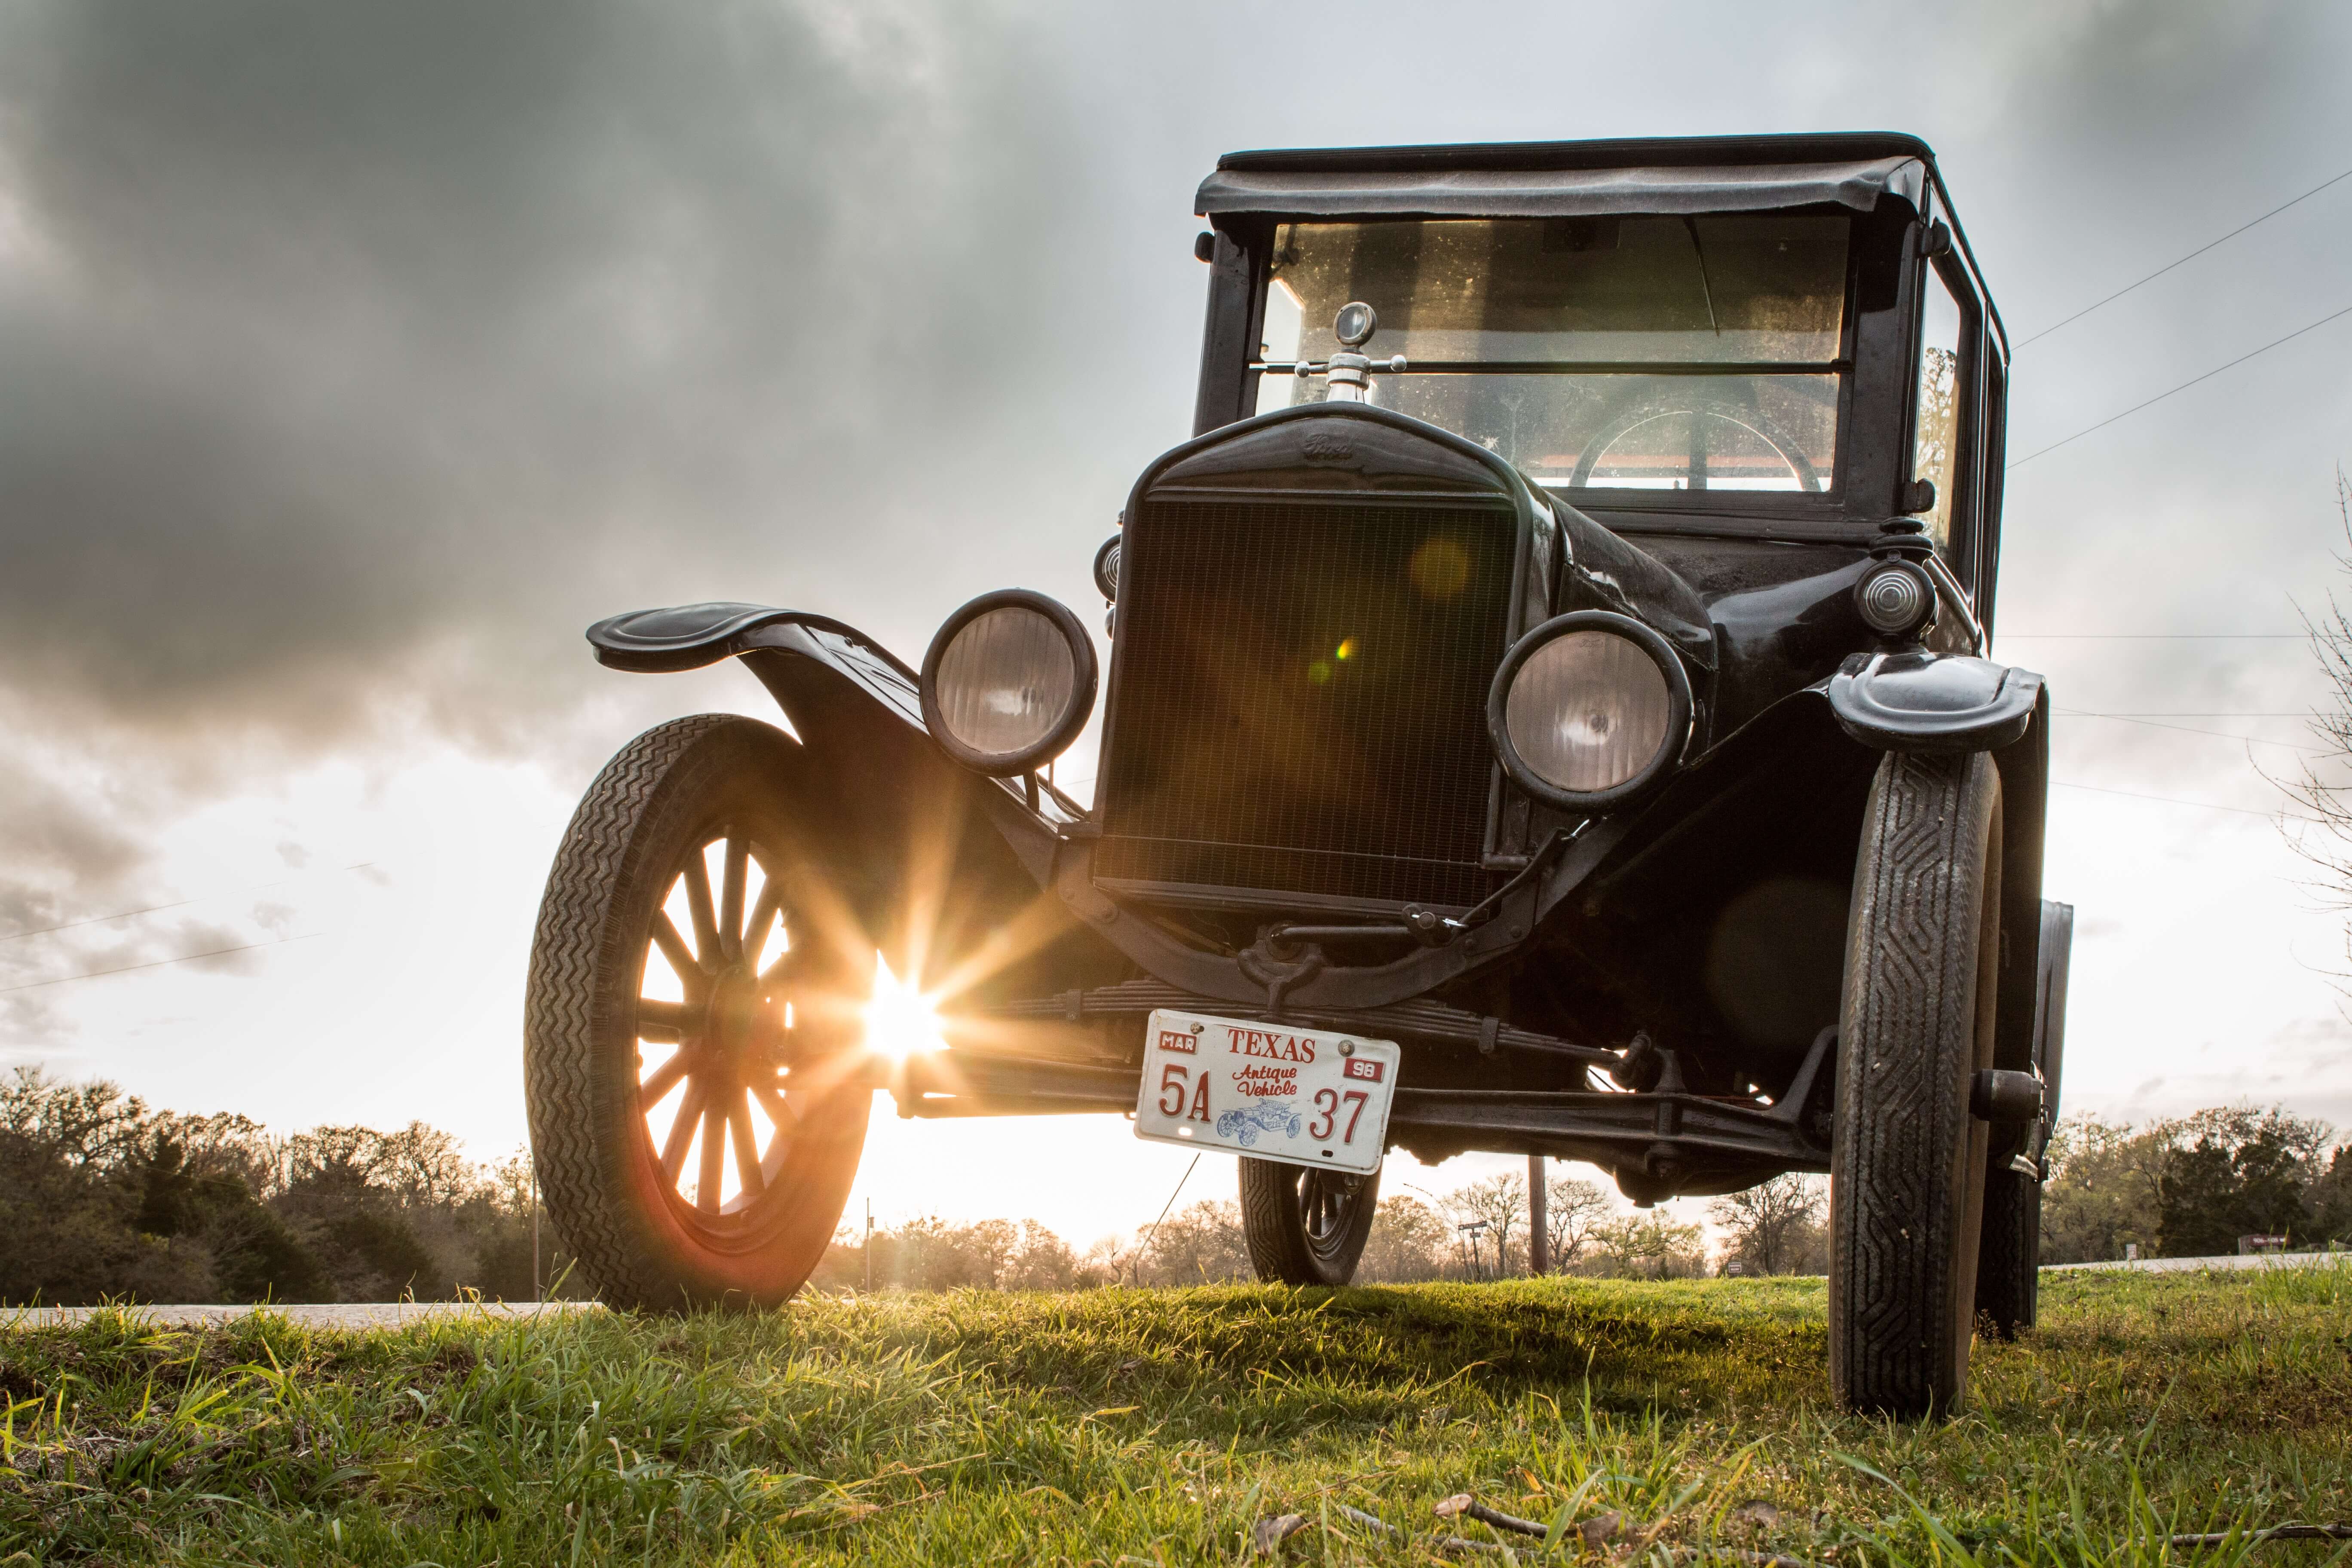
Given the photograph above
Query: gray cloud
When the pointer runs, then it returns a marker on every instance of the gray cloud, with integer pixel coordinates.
(346, 343)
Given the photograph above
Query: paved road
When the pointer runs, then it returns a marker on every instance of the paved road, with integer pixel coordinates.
(342, 1315)
(2228, 1260)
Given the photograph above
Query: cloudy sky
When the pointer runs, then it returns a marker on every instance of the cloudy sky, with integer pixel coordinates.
(353, 358)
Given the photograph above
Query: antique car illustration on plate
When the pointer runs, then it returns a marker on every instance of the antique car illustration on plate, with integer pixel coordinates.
(1549, 700)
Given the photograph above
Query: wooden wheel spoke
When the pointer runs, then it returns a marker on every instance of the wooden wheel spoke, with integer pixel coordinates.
(698, 905)
(668, 1023)
(681, 957)
(660, 1081)
(682, 1131)
(779, 1111)
(714, 1157)
(769, 905)
(730, 896)
(746, 1146)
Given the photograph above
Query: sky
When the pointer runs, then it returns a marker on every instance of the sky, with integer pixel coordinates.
(352, 360)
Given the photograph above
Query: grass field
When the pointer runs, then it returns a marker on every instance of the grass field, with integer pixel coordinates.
(1156, 1426)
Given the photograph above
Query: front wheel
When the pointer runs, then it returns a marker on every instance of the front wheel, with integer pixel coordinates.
(1306, 1227)
(1908, 1162)
(692, 1026)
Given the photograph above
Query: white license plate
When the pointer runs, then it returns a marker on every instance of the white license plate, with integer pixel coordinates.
(1273, 1091)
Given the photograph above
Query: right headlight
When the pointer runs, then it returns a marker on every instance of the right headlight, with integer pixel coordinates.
(1589, 709)
(1008, 683)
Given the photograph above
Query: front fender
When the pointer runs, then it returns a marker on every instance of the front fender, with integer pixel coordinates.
(938, 862)
(1922, 701)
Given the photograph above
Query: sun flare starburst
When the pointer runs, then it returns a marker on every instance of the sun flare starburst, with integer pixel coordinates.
(900, 1021)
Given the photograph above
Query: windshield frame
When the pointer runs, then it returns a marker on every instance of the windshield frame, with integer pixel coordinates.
(1873, 386)
(1840, 366)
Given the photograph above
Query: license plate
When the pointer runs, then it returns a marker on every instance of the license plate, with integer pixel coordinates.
(1273, 1091)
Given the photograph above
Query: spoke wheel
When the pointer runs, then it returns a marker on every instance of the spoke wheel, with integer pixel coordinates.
(726, 994)
(1306, 1227)
(698, 1095)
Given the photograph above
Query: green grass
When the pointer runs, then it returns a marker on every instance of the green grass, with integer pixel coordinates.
(1154, 1427)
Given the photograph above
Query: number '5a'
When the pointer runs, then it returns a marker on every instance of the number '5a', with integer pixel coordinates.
(1172, 1078)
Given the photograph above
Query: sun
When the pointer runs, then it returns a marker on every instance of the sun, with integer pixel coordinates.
(900, 1021)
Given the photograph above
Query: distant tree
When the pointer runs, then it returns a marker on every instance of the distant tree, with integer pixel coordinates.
(1648, 1245)
(101, 1196)
(2322, 831)
(1201, 1243)
(1502, 1202)
(2238, 1172)
(2104, 1189)
(1575, 1212)
(1775, 1227)
(1409, 1241)
(2331, 1200)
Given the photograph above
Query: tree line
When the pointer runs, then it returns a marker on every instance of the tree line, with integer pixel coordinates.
(103, 1197)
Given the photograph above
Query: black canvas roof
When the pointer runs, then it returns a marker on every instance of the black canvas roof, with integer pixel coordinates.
(1554, 179)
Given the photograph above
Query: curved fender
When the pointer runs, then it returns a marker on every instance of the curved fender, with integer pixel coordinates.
(1920, 701)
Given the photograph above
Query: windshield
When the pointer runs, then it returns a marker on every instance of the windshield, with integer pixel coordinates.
(1629, 353)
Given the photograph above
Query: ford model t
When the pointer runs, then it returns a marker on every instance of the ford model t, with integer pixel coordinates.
(1549, 709)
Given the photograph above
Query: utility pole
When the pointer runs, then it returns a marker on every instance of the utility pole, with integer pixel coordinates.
(869, 1246)
(1538, 1219)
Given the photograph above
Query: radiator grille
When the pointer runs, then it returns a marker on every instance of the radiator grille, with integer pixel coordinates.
(1302, 696)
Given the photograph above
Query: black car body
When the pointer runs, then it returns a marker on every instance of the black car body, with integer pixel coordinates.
(1736, 402)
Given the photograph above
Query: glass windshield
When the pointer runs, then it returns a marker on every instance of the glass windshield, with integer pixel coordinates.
(1638, 352)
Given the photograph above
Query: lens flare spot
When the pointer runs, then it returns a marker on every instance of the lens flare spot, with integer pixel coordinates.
(1440, 569)
(1317, 673)
(900, 1021)
(1346, 650)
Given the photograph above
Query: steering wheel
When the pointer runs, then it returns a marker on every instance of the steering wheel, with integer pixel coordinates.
(1643, 407)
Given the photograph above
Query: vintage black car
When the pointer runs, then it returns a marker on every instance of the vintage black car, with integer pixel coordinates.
(1548, 711)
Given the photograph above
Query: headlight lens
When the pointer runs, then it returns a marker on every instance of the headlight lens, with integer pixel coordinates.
(1008, 683)
(1589, 709)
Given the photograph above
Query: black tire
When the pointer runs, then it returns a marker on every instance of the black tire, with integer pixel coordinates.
(2008, 1277)
(1907, 1163)
(2008, 1268)
(780, 1034)
(1306, 1227)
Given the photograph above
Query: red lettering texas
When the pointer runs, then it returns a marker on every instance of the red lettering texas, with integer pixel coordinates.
(1270, 1043)
(1176, 1040)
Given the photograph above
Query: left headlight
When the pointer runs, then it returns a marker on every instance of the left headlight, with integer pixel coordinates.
(1589, 709)
(1008, 681)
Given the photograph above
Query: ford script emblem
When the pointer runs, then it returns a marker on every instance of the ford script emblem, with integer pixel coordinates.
(1324, 447)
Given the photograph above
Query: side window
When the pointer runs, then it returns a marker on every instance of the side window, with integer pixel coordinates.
(1938, 425)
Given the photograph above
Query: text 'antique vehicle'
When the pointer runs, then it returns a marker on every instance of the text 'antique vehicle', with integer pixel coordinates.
(1547, 710)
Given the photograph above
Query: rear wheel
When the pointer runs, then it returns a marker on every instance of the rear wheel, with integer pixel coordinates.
(2009, 1274)
(2009, 1271)
(1306, 1227)
(1908, 1184)
(697, 1100)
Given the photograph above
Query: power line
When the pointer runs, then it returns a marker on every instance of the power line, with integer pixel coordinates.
(2203, 713)
(2173, 800)
(2190, 257)
(158, 908)
(1171, 1204)
(159, 963)
(2186, 730)
(2184, 386)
